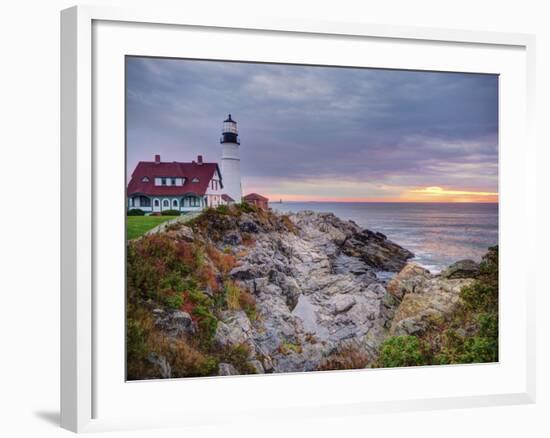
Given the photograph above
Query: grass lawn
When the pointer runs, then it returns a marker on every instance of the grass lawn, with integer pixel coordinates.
(138, 225)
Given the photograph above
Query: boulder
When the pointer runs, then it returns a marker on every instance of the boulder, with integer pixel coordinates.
(411, 279)
(461, 269)
(432, 303)
(342, 303)
(234, 329)
(376, 250)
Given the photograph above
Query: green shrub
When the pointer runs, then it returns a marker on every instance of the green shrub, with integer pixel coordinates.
(207, 324)
(136, 346)
(479, 313)
(174, 301)
(288, 347)
(245, 207)
(197, 297)
(170, 213)
(135, 212)
(222, 209)
(403, 351)
(238, 356)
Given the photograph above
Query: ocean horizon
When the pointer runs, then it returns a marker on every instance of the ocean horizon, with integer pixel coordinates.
(438, 233)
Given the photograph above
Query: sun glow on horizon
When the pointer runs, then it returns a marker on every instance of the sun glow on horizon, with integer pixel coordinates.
(440, 191)
(426, 194)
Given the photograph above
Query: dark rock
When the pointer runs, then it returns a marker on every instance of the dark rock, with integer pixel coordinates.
(248, 226)
(246, 271)
(376, 251)
(232, 238)
(175, 323)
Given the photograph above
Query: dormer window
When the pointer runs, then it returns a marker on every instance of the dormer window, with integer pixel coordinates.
(145, 179)
(195, 180)
(169, 181)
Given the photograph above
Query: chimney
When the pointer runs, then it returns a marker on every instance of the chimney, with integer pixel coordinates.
(199, 159)
(157, 159)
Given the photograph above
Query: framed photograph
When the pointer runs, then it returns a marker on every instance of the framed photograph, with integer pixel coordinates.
(259, 208)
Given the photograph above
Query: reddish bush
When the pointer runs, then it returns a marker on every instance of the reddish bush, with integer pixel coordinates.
(348, 358)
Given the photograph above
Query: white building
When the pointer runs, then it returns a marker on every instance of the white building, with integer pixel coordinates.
(231, 160)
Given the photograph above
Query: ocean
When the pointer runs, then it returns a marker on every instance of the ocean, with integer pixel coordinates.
(439, 234)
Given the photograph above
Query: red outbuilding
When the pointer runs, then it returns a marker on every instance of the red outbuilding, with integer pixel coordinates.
(257, 200)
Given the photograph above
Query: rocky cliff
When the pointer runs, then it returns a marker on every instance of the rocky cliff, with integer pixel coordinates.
(278, 293)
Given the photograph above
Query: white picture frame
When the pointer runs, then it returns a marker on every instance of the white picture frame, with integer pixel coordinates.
(84, 170)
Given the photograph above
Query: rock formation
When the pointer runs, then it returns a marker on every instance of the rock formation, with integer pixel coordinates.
(318, 290)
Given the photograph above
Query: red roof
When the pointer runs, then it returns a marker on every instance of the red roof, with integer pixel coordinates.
(190, 171)
(227, 198)
(255, 197)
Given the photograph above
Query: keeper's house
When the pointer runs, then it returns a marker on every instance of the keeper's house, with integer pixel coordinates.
(156, 186)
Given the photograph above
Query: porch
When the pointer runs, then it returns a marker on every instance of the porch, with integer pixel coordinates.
(158, 204)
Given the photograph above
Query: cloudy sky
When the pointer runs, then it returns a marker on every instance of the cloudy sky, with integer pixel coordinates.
(321, 133)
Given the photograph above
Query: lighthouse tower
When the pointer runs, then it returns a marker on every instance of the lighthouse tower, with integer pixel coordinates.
(231, 161)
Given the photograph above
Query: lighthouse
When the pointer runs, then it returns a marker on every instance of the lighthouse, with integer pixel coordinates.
(231, 161)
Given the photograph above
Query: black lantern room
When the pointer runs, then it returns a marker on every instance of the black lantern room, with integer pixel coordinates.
(229, 131)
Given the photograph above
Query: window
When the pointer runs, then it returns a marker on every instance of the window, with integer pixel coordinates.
(145, 179)
(175, 203)
(157, 203)
(195, 180)
(163, 181)
(230, 127)
(193, 201)
(166, 203)
(144, 201)
(173, 181)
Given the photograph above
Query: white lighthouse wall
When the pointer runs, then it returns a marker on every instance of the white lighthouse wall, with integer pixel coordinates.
(214, 192)
(231, 171)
